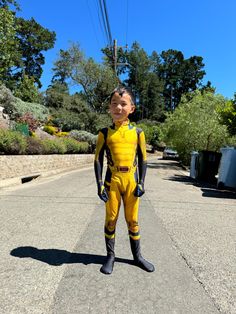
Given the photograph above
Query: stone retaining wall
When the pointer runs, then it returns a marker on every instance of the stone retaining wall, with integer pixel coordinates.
(14, 168)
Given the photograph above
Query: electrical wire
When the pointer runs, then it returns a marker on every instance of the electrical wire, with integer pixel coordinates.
(93, 25)
(103, 19)
(107, 22)
(100, 22)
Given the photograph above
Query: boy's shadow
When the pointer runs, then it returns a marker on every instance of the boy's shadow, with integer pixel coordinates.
(57, 257)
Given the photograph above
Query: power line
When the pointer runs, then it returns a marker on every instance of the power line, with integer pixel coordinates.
(100, 22)
(105, 21)
(93, 25)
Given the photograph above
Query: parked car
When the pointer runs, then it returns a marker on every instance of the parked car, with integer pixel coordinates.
(170, 153)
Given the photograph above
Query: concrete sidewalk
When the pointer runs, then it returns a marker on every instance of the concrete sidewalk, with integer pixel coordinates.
(52, 248)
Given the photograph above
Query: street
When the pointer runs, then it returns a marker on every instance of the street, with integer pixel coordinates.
(52, 247)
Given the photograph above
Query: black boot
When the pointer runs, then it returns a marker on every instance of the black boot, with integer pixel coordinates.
(138, 259)
(107, 267)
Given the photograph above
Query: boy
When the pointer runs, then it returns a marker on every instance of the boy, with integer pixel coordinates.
(124, 144)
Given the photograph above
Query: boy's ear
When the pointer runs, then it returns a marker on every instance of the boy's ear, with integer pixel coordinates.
(132, 109)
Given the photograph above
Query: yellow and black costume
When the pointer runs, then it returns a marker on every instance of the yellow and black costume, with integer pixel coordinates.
(125, 150)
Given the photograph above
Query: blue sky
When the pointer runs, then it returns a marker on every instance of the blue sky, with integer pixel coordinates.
(204, 28)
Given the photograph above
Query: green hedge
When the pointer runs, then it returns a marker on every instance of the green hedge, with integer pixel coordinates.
(73, 146)
(14, 143)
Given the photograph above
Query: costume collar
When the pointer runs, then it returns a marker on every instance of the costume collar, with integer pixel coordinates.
(119, 124)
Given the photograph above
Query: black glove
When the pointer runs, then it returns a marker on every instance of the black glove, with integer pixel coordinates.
(102, 193)
(139, 191)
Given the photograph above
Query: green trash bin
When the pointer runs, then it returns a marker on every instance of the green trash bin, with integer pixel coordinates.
(208, 166)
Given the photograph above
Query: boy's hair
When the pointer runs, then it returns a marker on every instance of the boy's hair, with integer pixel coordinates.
(122, 90)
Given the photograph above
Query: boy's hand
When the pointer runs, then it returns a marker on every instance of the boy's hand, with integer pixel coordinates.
(102, 193)
(139, 191)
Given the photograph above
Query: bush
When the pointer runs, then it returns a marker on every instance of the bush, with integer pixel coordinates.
(34, 146)
(53, 146)
(84, 136)
(52, 130)
(62, 134)
(84, 148)
(152, 133)
(75, 147)
(12, 142)
(195, 125)
(232, 141)
(15, 107)
(29, 120)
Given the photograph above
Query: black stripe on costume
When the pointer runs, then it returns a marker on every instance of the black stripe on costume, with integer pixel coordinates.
(98, 164)
(134, 234)
(107, 186)
(136, 176)
(110, 162)
(109, 232)
(104, 132)
(108, 175)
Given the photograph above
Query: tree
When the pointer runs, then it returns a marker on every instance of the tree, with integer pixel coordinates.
(33, 39)
(195, 125)
(9, 54)
(147, 86)
(27, 91)
(228, 116)
(21, 45)
(57, 95)
(7, 3)
(96, 80)
(180, 75)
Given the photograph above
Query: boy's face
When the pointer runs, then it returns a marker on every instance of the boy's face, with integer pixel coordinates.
(120, 107)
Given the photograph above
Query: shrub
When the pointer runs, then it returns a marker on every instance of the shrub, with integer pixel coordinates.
(52, 130)
(53, 146)
(84, 148)
(152, 133)
(62, 134)
(232, 141)
(34, 146)
(147, 129)
(75, 147)
(12, 142)
(195, 125)
(84, 136)
(15, 107)
(29, 120)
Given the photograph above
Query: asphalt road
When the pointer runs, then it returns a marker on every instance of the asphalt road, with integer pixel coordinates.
(52, 247)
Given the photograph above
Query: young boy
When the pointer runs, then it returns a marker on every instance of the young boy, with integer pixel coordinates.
(124, 144)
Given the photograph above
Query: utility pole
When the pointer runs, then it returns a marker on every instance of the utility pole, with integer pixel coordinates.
(114, 56)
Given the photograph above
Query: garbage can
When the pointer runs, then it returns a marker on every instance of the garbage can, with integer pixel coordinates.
(227, 169)
(208, 166)
(194, 165)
